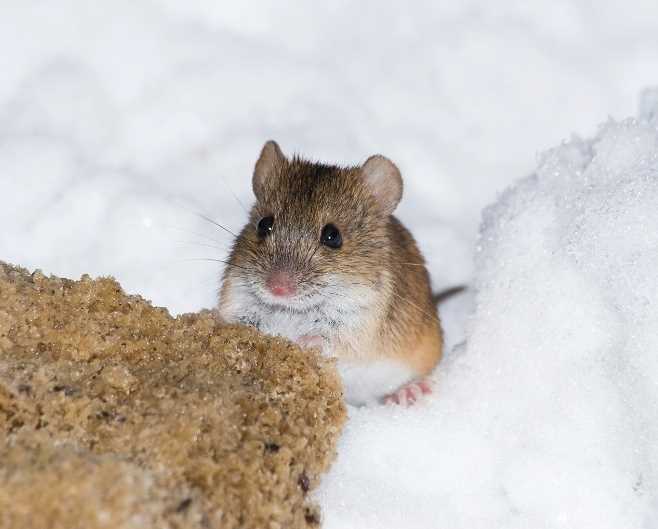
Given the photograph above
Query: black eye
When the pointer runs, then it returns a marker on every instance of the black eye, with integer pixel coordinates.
(330, 236)
(265, 226)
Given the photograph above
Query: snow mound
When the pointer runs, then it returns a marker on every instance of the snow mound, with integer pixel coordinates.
(546, 416)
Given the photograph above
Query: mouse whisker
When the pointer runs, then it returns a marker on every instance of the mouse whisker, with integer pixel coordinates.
(345, 296)
(206, 218)
(331, 289)
(405, 300)
(227, 263)
(309, 259)
(411, 304)
(235, 196)
(189, 232)
(196, 243)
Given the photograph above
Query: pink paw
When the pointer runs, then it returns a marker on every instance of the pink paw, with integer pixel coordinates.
(409, 393)
(309, 341)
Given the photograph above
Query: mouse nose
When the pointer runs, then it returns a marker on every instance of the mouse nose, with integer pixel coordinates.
(281, 284)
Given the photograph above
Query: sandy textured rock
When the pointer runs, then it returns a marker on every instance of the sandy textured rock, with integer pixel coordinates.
(114, 414)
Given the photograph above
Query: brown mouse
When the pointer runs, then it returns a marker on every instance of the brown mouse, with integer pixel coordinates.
(323, 261)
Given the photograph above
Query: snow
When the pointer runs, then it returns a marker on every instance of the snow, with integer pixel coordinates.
(118, 124)
(546, 416)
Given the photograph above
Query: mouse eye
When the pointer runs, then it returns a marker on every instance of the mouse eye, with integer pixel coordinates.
(331, 237)
(265, 226)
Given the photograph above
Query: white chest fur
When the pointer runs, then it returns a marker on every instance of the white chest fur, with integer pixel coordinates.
(365, 380)
(340, 311)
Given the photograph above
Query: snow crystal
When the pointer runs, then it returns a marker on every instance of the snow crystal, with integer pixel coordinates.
(547, 415)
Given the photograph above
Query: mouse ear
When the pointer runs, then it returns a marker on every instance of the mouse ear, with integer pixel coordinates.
(270, 160)
(384, 180)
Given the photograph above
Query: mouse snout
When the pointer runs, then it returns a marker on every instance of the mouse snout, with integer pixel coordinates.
(281, 283)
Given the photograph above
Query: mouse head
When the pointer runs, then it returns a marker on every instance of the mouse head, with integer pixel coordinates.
(317, 231)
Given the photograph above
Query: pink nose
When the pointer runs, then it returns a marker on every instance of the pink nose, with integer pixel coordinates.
(281, 284)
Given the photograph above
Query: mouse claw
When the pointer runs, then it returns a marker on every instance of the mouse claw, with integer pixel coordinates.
(409, 393)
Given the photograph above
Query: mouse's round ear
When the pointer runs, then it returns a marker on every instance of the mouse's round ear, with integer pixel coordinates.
(268, 165)
(383, 178)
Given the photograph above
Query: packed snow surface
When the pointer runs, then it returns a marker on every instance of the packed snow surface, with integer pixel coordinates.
(120, 123)
(547, 415)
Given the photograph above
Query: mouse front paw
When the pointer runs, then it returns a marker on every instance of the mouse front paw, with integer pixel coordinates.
(309, 341)
(409, 393)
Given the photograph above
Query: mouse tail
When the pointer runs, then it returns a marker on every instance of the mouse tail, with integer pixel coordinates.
(444, 295)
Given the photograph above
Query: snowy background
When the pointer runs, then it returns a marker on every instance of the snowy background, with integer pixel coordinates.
(119, 123)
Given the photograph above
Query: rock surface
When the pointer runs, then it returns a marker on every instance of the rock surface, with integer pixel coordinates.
(114, 414)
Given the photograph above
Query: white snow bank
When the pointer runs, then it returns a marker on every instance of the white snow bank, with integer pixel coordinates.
(548, 416)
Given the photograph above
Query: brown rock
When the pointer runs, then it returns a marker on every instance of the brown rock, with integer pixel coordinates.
(115, 415)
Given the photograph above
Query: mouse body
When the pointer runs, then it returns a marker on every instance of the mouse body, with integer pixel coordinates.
(323, 261)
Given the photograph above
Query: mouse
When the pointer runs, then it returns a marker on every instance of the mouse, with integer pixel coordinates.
(323, 261)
